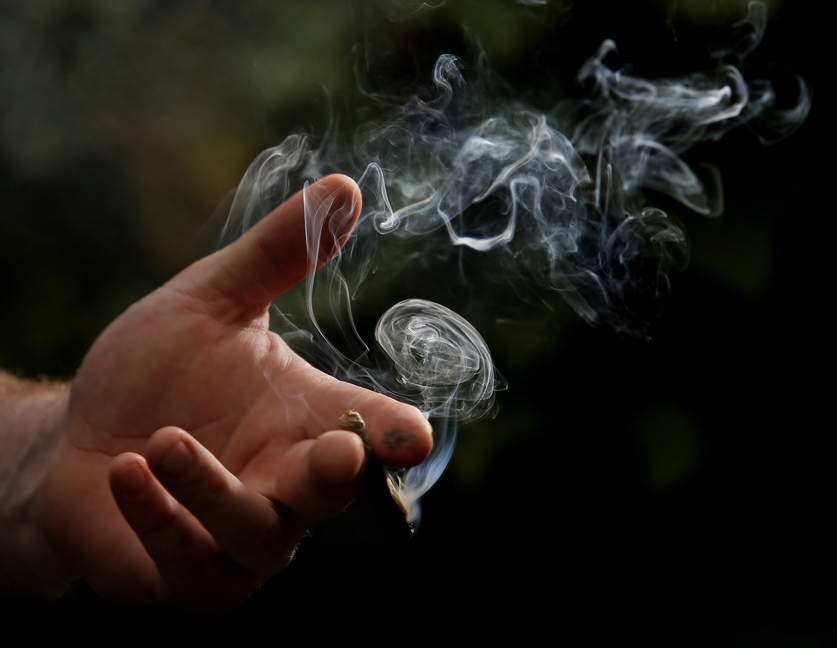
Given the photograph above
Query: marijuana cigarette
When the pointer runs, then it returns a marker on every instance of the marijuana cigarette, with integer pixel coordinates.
(379, 489)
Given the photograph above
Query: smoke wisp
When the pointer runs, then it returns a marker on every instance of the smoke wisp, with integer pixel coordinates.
(564, 201)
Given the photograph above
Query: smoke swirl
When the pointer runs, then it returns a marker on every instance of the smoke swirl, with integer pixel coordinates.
(439, 356)
(563, 200)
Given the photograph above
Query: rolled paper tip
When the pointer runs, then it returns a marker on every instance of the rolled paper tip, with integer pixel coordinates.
(353, 422)
(379, 490)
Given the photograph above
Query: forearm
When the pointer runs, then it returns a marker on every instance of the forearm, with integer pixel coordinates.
(30, 434)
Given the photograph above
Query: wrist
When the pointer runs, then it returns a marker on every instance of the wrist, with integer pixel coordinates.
(30, 426)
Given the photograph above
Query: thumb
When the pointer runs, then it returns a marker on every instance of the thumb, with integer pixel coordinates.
(293, 241)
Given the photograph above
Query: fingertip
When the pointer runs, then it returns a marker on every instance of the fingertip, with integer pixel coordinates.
(337, 458)
(129, 475)
(165, 437)
(341, 197)
(169, 451)
(341, 182)
(411, 447)
(406, 439)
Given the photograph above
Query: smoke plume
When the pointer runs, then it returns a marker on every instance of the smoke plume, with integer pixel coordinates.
(565, 202)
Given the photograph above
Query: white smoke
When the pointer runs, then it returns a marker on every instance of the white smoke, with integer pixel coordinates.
(563, 201)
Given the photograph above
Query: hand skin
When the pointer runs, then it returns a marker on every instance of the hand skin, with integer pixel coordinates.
(195, 448)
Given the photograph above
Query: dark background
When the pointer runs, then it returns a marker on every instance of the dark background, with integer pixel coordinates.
(675, 490)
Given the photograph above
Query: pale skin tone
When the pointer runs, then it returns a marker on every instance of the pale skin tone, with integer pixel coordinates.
(195, 447)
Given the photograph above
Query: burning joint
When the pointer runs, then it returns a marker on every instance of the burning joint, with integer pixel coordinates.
(379, 490)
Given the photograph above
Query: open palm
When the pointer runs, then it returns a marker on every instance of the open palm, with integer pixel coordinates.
(222, 446)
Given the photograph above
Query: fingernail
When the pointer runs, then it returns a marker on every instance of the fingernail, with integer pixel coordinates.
(177, 460)
(132, 479)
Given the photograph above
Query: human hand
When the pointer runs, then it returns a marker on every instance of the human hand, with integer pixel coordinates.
(220, 444)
